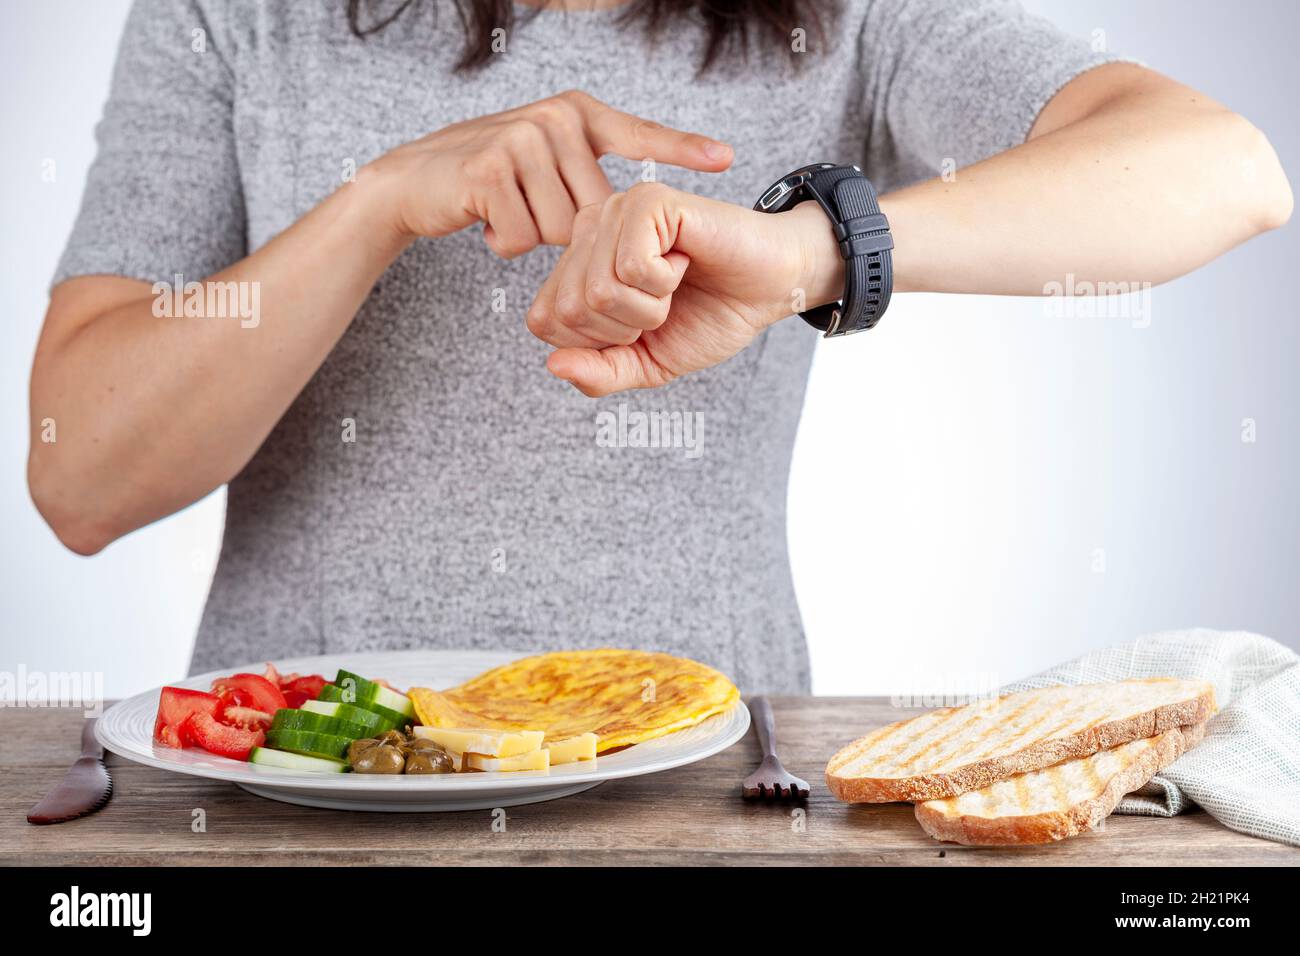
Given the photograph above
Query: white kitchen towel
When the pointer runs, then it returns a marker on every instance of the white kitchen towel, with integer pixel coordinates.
(1246, 772)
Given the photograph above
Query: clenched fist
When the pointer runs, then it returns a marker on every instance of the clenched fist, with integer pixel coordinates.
(657, 283)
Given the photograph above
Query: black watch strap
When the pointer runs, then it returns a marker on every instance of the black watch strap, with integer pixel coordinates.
(862, 231)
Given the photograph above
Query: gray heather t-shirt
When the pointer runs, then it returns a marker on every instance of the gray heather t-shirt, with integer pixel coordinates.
(484, 503)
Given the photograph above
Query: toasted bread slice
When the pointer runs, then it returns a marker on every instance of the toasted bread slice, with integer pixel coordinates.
(947, 752)
(1056, 802)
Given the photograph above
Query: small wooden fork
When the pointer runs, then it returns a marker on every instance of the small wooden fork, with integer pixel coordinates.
(770, 781)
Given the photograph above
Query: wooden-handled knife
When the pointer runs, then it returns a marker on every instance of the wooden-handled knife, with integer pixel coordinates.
(84, 789)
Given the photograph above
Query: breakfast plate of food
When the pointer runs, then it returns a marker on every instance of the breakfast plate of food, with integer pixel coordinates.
(422, 731)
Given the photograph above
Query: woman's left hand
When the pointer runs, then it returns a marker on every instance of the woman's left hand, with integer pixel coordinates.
(657, 283)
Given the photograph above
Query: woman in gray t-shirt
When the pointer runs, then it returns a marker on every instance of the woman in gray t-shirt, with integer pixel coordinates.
(310, 252)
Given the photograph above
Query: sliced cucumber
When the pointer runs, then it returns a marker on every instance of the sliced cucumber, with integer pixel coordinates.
(387, 697)
(332, 693)
(311, 744)
(292, 719)
(373, 723)
(266, 757)
(367, 691)
(392, 718)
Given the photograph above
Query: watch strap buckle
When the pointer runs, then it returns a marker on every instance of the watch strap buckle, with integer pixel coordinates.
(866, 245)
(875, 222)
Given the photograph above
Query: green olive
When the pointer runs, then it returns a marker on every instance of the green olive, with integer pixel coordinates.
(382, 758)
(423, 744)
(428, 761)
(358, 747)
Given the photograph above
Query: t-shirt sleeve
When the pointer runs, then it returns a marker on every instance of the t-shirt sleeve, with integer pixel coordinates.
(163, 195)
(959, 81)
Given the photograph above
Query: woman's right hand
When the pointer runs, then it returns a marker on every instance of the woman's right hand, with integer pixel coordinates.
(526, 172)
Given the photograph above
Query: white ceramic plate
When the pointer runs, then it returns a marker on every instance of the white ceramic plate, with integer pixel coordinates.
(127, 729)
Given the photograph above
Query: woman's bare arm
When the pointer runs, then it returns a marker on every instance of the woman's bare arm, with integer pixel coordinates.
(150, 413)
(1127, 177)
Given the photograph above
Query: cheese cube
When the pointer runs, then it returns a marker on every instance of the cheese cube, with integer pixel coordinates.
(535, 760)
(490, 743)
(570, 749)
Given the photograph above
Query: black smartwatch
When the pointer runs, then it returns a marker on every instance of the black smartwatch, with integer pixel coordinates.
(862, 230)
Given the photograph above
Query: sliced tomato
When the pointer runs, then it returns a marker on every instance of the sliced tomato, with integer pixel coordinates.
(233, 697)
(295, 698)
(217, 738)
(310, 685)
(249, 718)
(177, 703)
(167, 736)
(175, 706)
(261, 693)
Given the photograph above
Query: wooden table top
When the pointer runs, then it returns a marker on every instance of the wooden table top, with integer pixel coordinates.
(691, 815)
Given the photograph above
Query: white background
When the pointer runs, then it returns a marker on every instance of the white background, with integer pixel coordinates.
(1008, 452)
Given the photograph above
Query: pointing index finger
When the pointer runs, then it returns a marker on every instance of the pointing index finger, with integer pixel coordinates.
(633, 137)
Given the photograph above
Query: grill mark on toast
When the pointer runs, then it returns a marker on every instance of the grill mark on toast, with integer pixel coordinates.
(1056, 779)
(1063, 796)
(990, 800)
(879, 760)
(870, 740)
(1066, 722)
(912, 761)
(1094, 779)
(948, 760)
(1009, 743)
(868, 753)
(879, 739)
(985, 739)
(988, 731)
(1091, 724)
(982, 714)
(1023, 796)
(943, 749)
(889, 759)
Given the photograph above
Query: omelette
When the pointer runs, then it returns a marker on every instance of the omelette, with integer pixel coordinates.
(624, 697)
